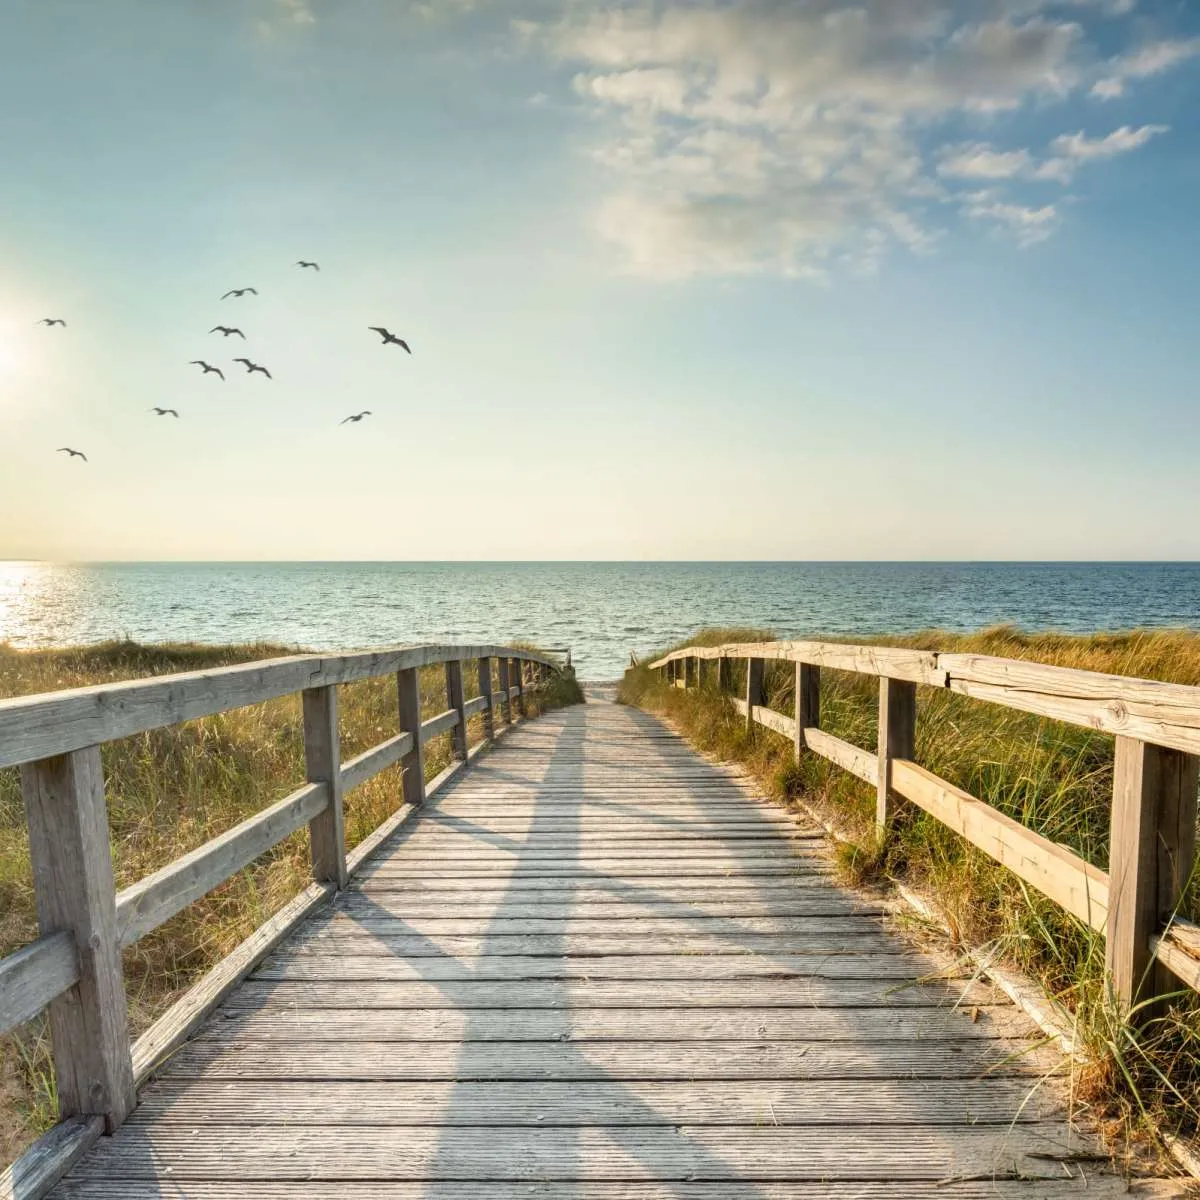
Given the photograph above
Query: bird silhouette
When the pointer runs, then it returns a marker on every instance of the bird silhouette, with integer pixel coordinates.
(313, 265)
(388, 336)
(208, 368)
(366, 412)
(72, 453)
(227, 330)
(52, 321)
(162, 412)
(252, 367)
(236, 292)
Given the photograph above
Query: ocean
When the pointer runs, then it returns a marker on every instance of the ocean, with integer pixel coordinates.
(603, 611)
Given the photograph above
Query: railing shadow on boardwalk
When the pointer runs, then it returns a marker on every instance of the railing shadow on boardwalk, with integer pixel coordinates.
(565, 767)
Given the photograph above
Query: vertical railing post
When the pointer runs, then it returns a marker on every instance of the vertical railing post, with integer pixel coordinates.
(897, 739)
(485, 690)
(1150, 859)
(505, 698)
(808, 704)
(724, 666)
(701, 672)
(408, 689)
(75, 892)
(456, 701)
(518, 666)
(755, 695)
(323, 764)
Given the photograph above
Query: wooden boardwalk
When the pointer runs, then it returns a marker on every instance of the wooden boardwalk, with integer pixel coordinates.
(596, 967)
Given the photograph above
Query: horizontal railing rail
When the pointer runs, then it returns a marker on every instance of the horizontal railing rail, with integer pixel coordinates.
(73, 969)
(1156, 773)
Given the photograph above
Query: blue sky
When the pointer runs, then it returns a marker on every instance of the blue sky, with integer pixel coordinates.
(883, 279)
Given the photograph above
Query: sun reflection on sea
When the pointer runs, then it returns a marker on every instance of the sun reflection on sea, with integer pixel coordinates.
(33, 599)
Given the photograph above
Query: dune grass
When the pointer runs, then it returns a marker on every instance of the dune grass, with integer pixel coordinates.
(1052, 777)
(171, 790)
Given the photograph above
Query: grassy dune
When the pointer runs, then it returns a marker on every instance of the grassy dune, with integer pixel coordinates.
(1052, 777)
(170, 791)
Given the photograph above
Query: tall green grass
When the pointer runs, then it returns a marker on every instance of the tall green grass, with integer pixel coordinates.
(1052, 777)
(169, 791)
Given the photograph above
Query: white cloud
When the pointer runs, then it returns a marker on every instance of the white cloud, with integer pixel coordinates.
(1082, 148)
(1151, 59)
(978, 160)
(1028, 225)
(792, 137)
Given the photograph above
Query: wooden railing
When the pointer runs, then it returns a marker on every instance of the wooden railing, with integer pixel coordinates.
(1157, 762)
(73, 969)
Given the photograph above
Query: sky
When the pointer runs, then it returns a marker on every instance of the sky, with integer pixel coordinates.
(828, 279)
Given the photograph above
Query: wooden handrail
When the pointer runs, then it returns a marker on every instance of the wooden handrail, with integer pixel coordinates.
(1157, 730)
(56, 737)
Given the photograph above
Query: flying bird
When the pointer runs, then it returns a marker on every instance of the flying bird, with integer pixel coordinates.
(366, 412)
(52, 321)
(72, 453)
(237, 292)
(313, 265)
(208, 368)
(252, 367)
(162, 412)
(227, 330)
(388, 336)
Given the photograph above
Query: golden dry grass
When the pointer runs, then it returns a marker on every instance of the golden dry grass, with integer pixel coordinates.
(171, 790)
(1052, 777)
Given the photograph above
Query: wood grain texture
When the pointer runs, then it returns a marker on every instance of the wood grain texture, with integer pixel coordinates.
(408, 694)
(34, 975)
(1153, 843)
(75, 893)
(368, 764)
(323, 765)
(33, 727)
(1079, 887)
(851, 758)
(485, 693)
(158, 897)
(807, 706)
(897, 739)
(40, 1167)
(593, 965)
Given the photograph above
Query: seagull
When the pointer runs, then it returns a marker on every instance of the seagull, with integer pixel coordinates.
(313, 265)
(52, 321)
(208, 369)
(72, 453)
(388, 336)
(252, 367)
(237, 292)
(227, 330)
(366, 412)
(162, 412)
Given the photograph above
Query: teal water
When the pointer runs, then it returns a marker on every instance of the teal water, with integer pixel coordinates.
(603, 611)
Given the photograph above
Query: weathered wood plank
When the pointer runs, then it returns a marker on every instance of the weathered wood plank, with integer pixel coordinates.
(274, 1023)
(917, 666)
(718, 1153)
(368, 764)
(323, 765)
(34, 975)
(851, 758)
(153, 900)
(33, 727)
(1151, 858)
(75, 894)
(442, 723)
(897, 739)
(1069, 881)
(40, 1167)
(354, 969)
(187, 1013)
(563, 995)
(408, 695)
(1082, 1181)
(361, 1059)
